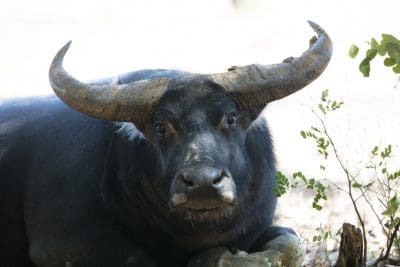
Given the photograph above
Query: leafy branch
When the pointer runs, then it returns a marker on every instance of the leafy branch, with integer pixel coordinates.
(384, 184)
(388, 47)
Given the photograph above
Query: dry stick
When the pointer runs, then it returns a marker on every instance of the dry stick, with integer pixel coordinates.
(389, 247)
(396, 184)
(336, 187)
(386, 198)
(373, 209)
(348, 176)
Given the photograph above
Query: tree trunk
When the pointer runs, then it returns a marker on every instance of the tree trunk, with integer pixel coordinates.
(351, 247)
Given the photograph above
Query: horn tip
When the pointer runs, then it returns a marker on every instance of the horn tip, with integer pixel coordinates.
(58, 59)
(66, 46)
(315, 27)
(64, 49)
(56, 66)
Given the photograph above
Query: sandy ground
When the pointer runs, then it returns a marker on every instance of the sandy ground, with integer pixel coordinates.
(209, 36)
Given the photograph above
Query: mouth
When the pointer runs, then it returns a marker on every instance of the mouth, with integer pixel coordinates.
(203, 209)
(204, 213)
(180, 201)
(202, 202)
(215, 208)
(205, 205)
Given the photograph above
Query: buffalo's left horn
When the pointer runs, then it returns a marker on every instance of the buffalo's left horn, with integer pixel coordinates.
(254, 86)
(129, 102)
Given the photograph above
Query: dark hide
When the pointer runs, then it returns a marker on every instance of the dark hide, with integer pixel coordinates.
(96, 193)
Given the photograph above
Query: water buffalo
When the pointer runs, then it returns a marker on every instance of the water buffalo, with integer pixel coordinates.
(151, 168)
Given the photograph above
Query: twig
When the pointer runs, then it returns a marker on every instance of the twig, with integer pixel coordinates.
(350, 192)
(373, 209)
(391, 240)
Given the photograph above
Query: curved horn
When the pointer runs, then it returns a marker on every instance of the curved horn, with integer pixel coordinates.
(254, 86)
(129, 102)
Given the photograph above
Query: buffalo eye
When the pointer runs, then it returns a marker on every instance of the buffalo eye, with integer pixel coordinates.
(160, 128)
(231, 119)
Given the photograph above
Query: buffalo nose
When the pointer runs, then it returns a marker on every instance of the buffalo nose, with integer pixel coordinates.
(203, 177)
(202, 187)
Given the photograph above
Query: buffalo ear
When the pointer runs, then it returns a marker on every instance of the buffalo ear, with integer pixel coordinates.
(147, 131)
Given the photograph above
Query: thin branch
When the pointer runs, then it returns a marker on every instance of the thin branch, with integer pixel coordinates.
(381, 184)
(391, 240)
(396, 183)
(373, 209)
(350, 192)
(334, 185)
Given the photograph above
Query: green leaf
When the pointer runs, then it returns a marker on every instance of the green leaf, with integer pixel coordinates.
(356, 185)
(392, 206)
(282, 184)
(371, 54)
(386, 152)
(389, 44)
(394, 175)
(389, 38)
(368, 185)
(374, 44)
(396, 69)
(353, 51)
(397, 242)
(388, 62)
(365, 67)
(301, 176)
(324, 95)
(321, 107)
(315, 129)
(316, 206)
(375, 151)
(382, 49)
(326, 235)
(392, 49)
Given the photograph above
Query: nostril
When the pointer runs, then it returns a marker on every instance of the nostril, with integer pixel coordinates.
(218, 180)
(187, 182)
